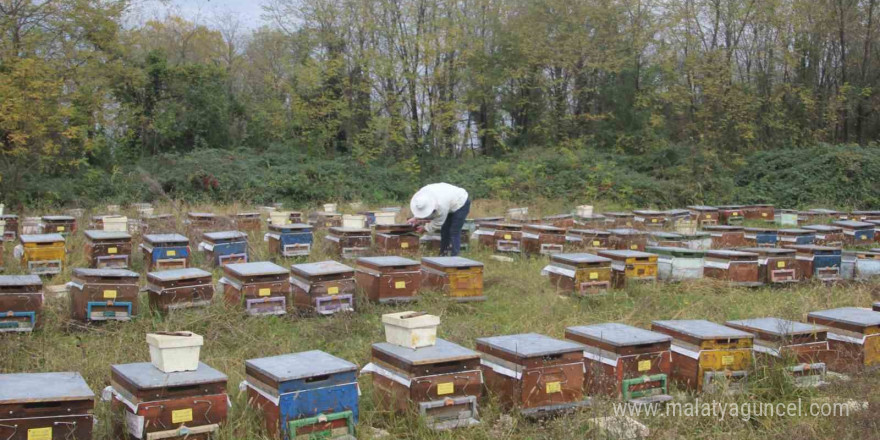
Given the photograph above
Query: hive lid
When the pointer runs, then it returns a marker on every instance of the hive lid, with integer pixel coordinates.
(201, 215)
(499, 225)
(578, 258)
(248, 214)
(93, 234)
(179, 274)
(441, 351)
(625, 231)
(849, 315)
(778, 327)
(255, 269)
(667, 235)
(165, 238)
(41, 238)
(43, 387)
(618, 214)
(545, 228)
(766, 230)
(145, 376)
(676, 212)
(619, 335)
(290, 227)
(625, 253)
(302, 365)
(487, 219)
(728, 228)
(106, 273)
(725, 253)
(769, 251)
(346, 230)
(852, 224)
(823, 228)
(702, 208)
(59, 218)
(20, 280)
(795, 231)
(451, 262)
(389, 261)
(224, 235)
(647, 212)
(702, 329)
(813, 248)
(731, 207)
(329, 267)
(822, 211)
(8, 217)
(530, 345)
(676, 251)
(558, 217)
(588, 232)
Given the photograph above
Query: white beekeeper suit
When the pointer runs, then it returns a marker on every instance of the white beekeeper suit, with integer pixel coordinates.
(436, 201)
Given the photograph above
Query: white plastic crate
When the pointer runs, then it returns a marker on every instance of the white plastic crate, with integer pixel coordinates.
(386, 218)
(330, 207)
(585, 210)
(353, 221)
(174, 352)
(411, 329)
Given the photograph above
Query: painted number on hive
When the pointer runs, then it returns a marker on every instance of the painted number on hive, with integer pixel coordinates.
(182, 415)
(554, 387)
(445, 388)
(40, 434)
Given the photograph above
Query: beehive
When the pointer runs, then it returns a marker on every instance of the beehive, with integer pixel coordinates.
(104, 294)
(43, 254)
(10, 229)
(588, 239)
(666, 239)
(431, 242)
(650, 219)
(538, 374)
(348, 242)
(726, 236)
(198, 223)
(854, 337)
(397, 239)
(158, 405)
(737, 267)
(564, 221)
(108, 250)
(864, 216)
(618, 219)
(778, 340)
(678, 264)
(290, 240)
(631, 266)
(627, 239)
(180, 288)
(165, 251)
(856, 233)
(700, 240)
(261, 287)
(389, 279)
(543, 239)
(730, 215)
(827, 235)
(759, 212)
(788, 237)
(594, 221)
(46, 406)
(876, 306)
(820, 215)
(776, 265)
(502, 237)
(225, 247)
(787, 217)
(441, 382)
(247, 221)
(461, 278)
(859, 265)
(623, 361)
(327, 220)
(818, 262)
(704, 352)
(325, 287)
(58, 224)
(310, 394)
(580, 274)
(21, 303)
(760, 237)
(705, 215)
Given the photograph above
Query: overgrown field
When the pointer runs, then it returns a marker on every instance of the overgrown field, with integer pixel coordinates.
(520, 300)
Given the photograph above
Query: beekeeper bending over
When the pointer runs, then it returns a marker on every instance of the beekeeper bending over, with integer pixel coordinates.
(441, 207)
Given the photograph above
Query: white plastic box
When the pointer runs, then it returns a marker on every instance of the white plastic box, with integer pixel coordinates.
(174, 352)
(330, 207)
(411, 329)
(279, 218)
(115, 223)
(353, 221)
(585, 210)
(385, 218)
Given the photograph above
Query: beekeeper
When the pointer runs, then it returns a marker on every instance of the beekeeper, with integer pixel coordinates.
(441, 207)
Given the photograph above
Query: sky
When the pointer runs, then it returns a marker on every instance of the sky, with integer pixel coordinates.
(204, 11)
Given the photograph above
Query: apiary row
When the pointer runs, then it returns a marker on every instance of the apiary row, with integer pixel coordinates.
(314, 394)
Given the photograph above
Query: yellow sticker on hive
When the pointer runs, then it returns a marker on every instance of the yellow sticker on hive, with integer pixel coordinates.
(653, 220)
(109, 294)
(507, 236)
(400, 284)
(40, 434)
(60, 229)
(763, 214)
(182, 415)
(404, 245)
(445, 388)
(780, 264)
(645, 365)
(171, 253)
(735, 214)
(727, 360)
(333, 290)
(112, 250)
(597, 243)
(265, 292)
(864, 237)
(708, 215)
(634, 247)
(594, 275)
(554, 387)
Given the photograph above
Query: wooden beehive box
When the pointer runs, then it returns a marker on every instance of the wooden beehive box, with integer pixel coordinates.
(441, 382)
(780, 341)
(625, 362)
(542, 239)
(631, 266)
(856, 233)
(650, 219)
(726, 236)
(325, 220)
(460, 278)
(678, 264)
(247, 221)
(326, 287)
(730, 215)
(349, 243)
(864, 216)
(481, 220)
(290, 240)
(431, 242)
(21, 303)
(795, 236)
(197, 223)
(876, 224)
(859, 265)
(588, 239)
(397, 239)
(225, 247)
(704, 352)
(821, 215)
(159, 224)
(58, 224)
(564, 221)
(820, 262)
(787, 217)
(261, 287)
(108, 250)
(159, 405)
(854, 337)
(180, 288)
(619, 219)
(11, 229)
(46, 406)
(776, 265)
(104, 294)
(501, 237)
(760, 237)
(594, 221)
(827, 235)
(700, 240)
(704, 215)
(310, 394)
(389, 279)
(165, 252)
(627, 239)
(876, 306)
(536, 373)
(737, 267)
(580, 274)
(43, 254)
(762, 212)
(666, 239)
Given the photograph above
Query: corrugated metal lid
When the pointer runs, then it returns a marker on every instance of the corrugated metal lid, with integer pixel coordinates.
(201, 214)
(795, 231)
(41, 238)
(619, 335)
(625, 231)
(59, 218)
(769, 251)
(823, 228)
(676, 251)
(625, 253)
(94, 234)
(700, 328)
(43, 387)
(224, 235)
(452, 261)
(578, 258)
(702, 208)
(777, 326)
(291, 227)
(109, 273)
(548, 228)
(441, 351)
(531, 344)
(165, 238)
(302, 365)
(145, 376)
(854, 224)
(20, 280)
(387, 261)
(329, 267)
(256, 268)
(850, 315)
(179, 274)
(729, 253)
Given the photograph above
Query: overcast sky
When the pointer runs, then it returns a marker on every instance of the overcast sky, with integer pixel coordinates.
(204, 11)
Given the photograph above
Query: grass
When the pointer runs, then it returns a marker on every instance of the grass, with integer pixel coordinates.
(520, 300)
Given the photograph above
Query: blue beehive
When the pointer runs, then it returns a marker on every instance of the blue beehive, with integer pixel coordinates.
(165, 251)
(291, 240)
(311, 394)
(761, 237)
(225, 247)
(796, 236)
(820, 262)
